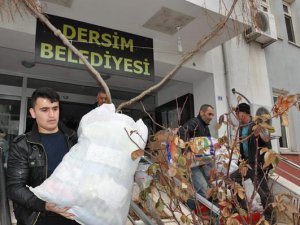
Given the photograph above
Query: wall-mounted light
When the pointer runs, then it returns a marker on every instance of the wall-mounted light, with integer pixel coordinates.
(28, 64)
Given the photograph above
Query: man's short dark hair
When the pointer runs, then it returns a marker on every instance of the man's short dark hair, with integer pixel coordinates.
(101, 90)
(44, 92)
(204, 107)
(243, 107)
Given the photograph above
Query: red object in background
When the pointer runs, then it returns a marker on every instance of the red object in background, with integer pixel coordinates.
(203, 211)
(255, 218)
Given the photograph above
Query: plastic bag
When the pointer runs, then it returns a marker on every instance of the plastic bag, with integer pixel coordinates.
(95, 178)
(141, 176)
(203, 150)
(203, 146)
(222, 157)
(256, 203)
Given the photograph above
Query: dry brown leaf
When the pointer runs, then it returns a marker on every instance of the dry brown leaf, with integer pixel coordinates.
(291, 208)
(172, 172)
(283, 104)
(285, 119)
(218, 126)
(226, 212)
(176, 140)
(263, 150)
(137, 153)
(270, 158)
(241, 193)
(183, 218)
(232, 221)
(184, 185)
(268, 127)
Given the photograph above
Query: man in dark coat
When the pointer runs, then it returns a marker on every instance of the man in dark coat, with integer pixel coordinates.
(198, 127)
(33, 157)
(250, 151)
(101, 97)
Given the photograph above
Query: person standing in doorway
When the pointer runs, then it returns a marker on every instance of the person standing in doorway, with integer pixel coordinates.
(4, 146)
(101, 97)
(33, 157)
(198, 127)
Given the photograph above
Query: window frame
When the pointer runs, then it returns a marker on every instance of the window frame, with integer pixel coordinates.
(286, 129)
(288, 15)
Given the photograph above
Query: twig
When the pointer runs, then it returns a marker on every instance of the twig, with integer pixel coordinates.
(129, 135)
(157, 124)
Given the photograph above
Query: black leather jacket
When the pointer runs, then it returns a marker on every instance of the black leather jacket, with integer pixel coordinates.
(27, 166)
(195, 127)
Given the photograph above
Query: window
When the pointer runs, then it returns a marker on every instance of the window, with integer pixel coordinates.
(284, 139)
(288, 22)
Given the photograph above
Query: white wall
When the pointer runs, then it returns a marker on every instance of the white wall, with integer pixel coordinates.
(283, 65)
(204, 93)
(246, 72)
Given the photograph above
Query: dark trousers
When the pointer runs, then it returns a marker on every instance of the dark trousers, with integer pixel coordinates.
(263, 190)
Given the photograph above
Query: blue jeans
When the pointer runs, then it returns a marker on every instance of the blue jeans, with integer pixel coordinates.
(200, 178)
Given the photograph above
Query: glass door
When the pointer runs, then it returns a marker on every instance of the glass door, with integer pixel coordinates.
(9, 121)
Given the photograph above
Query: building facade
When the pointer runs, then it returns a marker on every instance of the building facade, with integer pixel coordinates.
(241, 57)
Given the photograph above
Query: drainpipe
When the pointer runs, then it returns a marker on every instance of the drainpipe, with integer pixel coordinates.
(228, 93)
(225, 63)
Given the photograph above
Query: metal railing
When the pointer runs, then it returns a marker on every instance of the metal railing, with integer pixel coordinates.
(134, 207)
(287, 161)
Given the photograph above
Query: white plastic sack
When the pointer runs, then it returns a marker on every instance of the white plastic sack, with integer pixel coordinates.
(256, 203)
(95, 178)
(221, 158)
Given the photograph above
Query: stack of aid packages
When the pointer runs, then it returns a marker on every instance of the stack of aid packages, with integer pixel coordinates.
(163, 147)
(95, 178)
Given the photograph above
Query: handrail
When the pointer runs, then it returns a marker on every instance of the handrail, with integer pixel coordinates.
(141, 214)
(131, 220)
(5, 218)
(208, 204)
(287, 161)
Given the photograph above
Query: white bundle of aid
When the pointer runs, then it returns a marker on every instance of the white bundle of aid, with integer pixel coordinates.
(95, 178)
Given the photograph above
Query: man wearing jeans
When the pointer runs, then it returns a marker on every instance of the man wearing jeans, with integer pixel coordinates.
(198, 127)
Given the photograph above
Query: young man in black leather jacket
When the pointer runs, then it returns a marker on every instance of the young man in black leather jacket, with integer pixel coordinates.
(33, 157)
